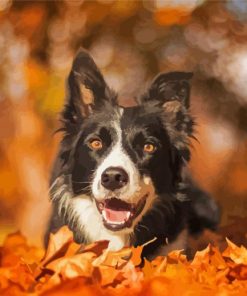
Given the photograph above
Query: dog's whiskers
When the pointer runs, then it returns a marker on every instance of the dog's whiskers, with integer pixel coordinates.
(81, 182)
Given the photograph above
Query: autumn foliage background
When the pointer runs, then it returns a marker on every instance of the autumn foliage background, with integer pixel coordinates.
(131, 42)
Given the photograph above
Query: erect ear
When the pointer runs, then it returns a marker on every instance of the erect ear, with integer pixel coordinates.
(87, 89)
(170, 90)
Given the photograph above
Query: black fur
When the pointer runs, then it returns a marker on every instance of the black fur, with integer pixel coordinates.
(161, 117)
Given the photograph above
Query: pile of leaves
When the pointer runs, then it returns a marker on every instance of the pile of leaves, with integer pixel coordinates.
(66, 267)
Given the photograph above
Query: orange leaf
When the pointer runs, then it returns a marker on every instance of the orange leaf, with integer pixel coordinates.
(58, 244)
(70, 267)
(97, 248)
(107, 275)
(136, 252)
(237, 254)
(136, 255)
(201, 257)
(117, 259)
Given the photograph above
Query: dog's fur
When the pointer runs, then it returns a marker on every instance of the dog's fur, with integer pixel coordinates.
(173, 206)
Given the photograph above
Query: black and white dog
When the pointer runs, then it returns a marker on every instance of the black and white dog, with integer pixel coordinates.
(119, 174)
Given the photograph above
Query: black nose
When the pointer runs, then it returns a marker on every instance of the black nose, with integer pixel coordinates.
(114, 178)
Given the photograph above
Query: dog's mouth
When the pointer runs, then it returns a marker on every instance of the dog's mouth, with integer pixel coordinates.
(118, 214)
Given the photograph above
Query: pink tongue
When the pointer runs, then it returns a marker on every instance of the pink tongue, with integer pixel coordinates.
(116, 216)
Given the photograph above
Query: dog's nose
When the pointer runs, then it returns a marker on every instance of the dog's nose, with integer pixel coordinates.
(114, 178)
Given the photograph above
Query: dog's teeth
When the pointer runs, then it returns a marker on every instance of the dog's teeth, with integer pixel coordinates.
(128, 216)
(118, 223)
(104, 215)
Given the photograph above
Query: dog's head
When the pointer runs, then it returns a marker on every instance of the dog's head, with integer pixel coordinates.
(123, 158)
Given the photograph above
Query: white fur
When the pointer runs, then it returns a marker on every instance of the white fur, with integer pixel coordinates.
(92, 226)
(82, 209)
(86, 211)
(91, 223)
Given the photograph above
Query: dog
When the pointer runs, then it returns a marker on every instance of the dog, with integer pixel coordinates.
(120, 173)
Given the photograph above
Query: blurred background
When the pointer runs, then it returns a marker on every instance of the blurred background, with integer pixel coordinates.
(131, 41)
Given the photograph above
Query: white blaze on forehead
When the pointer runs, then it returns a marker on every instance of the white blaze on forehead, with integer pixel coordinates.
(117, 158)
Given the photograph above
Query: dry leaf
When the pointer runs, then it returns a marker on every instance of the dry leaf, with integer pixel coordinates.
(58, 244)
(93, 270)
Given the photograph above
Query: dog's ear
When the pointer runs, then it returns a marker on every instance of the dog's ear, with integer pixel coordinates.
(170, 90)
(171, 93)
(87, 89)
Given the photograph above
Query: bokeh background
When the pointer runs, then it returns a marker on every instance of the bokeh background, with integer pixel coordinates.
(131, 42)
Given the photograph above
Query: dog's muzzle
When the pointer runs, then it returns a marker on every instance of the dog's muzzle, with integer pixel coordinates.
(118, 214)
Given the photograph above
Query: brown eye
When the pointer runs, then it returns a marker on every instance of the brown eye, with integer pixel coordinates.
(149, 148)
(95, 144)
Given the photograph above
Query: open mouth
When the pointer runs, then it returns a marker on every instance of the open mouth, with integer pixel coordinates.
(118, 214)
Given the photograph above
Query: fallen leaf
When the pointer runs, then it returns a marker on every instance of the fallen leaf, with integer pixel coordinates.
(58, 244)
(235, 253)
(94, 270)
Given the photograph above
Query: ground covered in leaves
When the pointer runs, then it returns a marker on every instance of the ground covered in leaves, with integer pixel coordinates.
(66, 267)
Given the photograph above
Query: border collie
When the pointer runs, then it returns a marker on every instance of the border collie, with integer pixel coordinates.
(120, 174)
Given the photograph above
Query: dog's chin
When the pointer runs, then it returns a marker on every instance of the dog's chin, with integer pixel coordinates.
(119, 215)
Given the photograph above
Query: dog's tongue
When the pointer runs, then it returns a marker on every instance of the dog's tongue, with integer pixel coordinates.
(116, 216)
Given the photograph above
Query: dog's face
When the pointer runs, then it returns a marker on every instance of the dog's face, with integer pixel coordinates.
(124, 158)
(117, 161)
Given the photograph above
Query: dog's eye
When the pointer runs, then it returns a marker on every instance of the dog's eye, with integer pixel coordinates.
(149, 148)
(95, 144)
